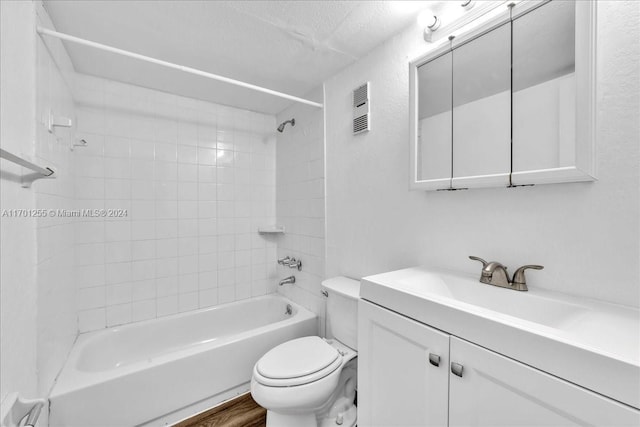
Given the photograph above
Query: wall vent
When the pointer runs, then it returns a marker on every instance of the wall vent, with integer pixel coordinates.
(361, 110)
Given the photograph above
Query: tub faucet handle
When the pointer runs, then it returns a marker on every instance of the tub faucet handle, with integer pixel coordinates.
(283, 261)
(295, 263)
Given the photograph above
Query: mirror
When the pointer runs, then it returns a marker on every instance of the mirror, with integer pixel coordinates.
(544, 88)
(434, 121)
(482, 110)
(509, 103)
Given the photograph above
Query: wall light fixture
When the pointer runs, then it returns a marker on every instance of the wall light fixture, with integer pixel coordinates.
(430, 22)
(468, 4)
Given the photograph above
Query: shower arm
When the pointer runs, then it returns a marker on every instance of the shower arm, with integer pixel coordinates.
(283, 124)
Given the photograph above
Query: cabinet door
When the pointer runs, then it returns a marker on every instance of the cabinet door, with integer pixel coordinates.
(398, 386)
(497, 391)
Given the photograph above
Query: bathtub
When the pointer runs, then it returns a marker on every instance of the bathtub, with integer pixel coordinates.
(157, 372)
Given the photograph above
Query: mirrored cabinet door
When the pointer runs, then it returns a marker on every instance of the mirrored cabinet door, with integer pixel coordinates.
(552, 137)
(509, 102)
(433, 149)
(482, 110)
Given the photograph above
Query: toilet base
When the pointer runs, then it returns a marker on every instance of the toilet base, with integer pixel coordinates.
(348, 419)
(291, 420)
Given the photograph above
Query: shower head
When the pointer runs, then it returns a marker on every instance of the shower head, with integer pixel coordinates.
(283, 124)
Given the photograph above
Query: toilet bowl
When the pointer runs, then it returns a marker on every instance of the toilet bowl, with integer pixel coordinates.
(311, 381)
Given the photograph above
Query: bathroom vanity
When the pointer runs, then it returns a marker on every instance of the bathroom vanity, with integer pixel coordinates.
(440, 348)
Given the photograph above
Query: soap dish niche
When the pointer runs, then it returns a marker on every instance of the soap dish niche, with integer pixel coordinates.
(271, 229)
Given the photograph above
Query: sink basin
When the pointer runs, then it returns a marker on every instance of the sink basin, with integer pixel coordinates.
(590, 343)
(531, 306)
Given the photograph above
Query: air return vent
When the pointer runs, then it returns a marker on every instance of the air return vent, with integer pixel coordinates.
(361, 111)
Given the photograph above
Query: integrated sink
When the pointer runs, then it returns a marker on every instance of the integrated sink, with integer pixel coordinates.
(591, 343)
(535, 306)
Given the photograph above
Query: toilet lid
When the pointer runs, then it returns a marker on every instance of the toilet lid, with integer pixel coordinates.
(297, 358)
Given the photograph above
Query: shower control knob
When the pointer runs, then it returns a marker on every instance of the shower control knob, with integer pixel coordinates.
(295, 263)
(283, 261)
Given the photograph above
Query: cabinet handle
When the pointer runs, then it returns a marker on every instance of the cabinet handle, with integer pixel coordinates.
(456, 369)
(434, 359)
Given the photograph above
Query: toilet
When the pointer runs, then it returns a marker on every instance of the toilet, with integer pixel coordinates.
(311, 381)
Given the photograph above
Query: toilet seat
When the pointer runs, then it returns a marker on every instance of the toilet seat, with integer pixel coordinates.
(297, 362)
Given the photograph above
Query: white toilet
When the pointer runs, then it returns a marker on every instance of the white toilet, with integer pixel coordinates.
(310, 381)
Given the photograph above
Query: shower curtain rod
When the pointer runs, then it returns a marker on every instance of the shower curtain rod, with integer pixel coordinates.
(189, 70)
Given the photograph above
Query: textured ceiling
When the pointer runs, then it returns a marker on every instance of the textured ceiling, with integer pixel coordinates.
(289, 46)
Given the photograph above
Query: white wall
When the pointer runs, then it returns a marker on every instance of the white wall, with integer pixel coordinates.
(38, 300)
(18, 289)
(300, 202)
(196, 180)
(57, 319)
(586, 234)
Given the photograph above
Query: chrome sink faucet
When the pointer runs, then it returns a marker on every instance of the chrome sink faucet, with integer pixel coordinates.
(494, 273)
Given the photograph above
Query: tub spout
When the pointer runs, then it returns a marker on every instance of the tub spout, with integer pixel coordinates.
(290, 279)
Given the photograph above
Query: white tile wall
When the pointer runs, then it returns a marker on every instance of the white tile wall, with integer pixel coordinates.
(300, 203)
(196, 179)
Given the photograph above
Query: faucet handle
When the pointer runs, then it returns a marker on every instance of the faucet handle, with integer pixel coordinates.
(485, 276)
(475, 258)
(295, 263)
(283, 261)
(518, 276)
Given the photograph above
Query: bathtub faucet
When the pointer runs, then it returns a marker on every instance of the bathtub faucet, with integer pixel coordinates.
(290, 279)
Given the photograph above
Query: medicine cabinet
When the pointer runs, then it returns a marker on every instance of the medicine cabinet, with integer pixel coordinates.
(510, 102)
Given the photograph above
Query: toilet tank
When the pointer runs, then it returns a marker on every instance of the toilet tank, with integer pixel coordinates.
(342, 310)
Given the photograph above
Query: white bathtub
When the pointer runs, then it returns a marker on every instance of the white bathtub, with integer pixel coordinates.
(159, 371)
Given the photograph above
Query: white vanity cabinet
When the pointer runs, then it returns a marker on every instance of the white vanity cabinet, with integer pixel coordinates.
(497, 391)
(399, 386)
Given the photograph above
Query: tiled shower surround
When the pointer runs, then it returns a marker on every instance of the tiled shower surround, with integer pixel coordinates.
(185, 185)
(300, 203)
